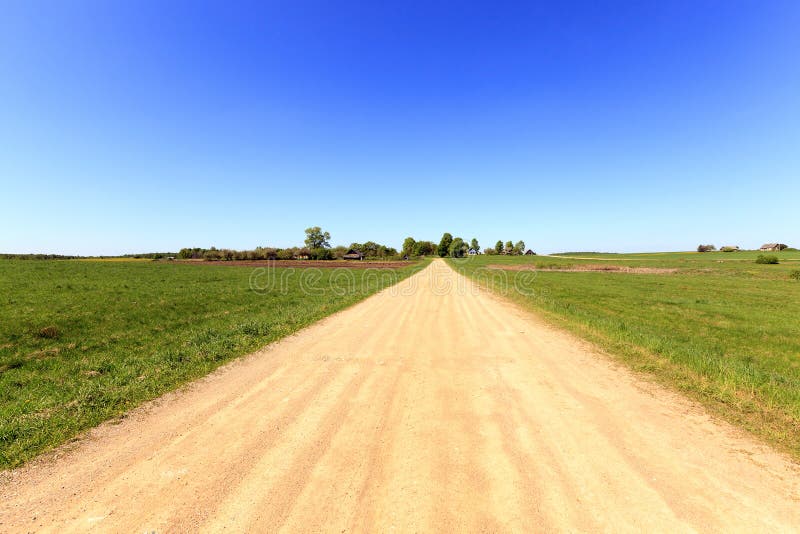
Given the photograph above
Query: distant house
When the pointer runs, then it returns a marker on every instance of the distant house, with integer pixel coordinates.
(529, 252)
(472, 252)
(772, 247)
(353, 254)
(301, 256)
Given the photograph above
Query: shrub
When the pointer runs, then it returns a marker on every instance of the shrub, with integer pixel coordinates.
(729, 249)
(795, 274)
(706, 248)
(768, 260)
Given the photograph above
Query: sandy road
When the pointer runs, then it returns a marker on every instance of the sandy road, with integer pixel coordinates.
(427, 410)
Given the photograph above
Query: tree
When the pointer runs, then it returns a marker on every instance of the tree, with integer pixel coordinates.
(444, 244)
(316, 238)
(371, 249)
(424, 248)
(474, 245)
(509, 248)
(457, 248)
(408, 246)
(498, 248)
(519, 248)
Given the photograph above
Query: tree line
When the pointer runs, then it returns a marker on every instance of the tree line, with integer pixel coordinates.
(143, 255)
(508, 248)
(457, 247)
(38, 257)
(317, 247)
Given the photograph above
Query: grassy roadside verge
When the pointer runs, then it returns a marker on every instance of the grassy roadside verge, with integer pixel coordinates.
(82, 342)
(726, 334)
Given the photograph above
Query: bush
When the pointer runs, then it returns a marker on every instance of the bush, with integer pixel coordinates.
(795, 274)
(706, 248)
(729, 249)
(768, 260)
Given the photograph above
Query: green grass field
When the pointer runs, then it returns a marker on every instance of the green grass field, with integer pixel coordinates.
(84, 341)
(721, 328)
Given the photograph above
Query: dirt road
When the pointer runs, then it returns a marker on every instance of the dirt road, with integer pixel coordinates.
(427, 410)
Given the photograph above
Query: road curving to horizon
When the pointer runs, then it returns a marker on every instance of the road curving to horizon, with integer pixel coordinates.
(430, 406)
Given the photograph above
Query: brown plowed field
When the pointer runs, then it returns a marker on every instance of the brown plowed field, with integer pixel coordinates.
(302, 264)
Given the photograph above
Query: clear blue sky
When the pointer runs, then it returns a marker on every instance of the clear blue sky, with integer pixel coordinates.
(133, 126)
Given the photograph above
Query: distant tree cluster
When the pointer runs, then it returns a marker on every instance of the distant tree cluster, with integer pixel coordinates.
(455, 247)
(412, 247)
(150, 255)
(371, 249)
(317, 247)
(141, 255)
(37, 257)
(706, 248)
(508, 248)
(215, 254)
(458, 248)
(263, 253)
